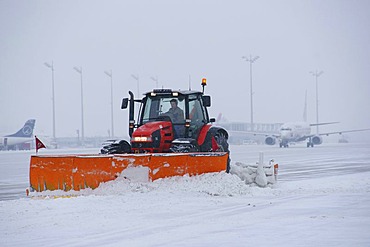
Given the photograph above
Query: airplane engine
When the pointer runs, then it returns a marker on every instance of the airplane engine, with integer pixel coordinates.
(316, 140)
(270, 140)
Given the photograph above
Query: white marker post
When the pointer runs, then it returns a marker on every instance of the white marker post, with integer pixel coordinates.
(261, 179)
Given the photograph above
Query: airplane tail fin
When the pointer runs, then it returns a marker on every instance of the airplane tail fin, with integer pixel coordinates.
(305, 108)
(26, 130)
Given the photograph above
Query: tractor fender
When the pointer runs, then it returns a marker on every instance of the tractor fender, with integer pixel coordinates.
(203, 133)
(206, 133)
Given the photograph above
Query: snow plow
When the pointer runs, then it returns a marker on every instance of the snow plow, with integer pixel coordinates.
(172, 136)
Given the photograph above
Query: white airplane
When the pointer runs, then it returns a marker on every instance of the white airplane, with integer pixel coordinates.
(295, 132)
(299, 132)
(25, 134)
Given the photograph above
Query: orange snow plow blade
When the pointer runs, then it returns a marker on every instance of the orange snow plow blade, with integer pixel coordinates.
(76, 172)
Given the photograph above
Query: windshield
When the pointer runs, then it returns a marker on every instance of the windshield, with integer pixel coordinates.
(196, 111)
(156, 108)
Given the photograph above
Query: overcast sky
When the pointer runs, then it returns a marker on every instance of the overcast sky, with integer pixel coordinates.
(173, 40)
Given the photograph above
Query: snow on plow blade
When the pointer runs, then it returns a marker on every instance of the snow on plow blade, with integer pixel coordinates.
(76, 172)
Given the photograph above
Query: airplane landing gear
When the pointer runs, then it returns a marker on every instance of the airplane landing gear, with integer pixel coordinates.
(310, 143)
(285, 145)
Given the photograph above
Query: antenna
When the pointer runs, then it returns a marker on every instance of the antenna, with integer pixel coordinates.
(189, 82)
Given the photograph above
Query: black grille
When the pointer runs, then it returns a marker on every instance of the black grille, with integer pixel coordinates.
(141, 144)
(156, 137)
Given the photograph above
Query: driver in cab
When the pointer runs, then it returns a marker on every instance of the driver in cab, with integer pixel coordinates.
(175, 112)
(177, 117)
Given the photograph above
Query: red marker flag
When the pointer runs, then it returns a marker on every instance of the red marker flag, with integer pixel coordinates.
(39, 144)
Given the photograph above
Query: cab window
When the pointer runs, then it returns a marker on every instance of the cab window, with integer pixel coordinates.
(158, 106)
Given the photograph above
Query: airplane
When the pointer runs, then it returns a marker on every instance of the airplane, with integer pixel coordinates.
(294, 132)
(299, 132)
(18, 139)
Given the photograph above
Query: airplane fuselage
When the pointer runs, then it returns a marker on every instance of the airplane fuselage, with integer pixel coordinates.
(10, 141)
(294, 132)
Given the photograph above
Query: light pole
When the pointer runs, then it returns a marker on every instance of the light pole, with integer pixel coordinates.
(251, 60)
(316, 74)
(79, 70)
(156, 80)
(136, 77)
(51, 66)
(109, 74)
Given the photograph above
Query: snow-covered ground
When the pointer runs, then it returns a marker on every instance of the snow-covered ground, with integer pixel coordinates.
(322, 198)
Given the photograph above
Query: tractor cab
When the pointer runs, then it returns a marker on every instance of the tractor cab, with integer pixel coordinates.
(171, 121)
(167, 119)
(186, 110)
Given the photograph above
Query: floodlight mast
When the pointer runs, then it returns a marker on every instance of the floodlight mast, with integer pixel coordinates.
(110, 75)
(317, 74)
(79, 70)
(51, 66)
(251, 60)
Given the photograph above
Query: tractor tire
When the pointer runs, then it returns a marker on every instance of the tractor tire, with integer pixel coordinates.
(119, 147)
(185, 145)
(223, 147)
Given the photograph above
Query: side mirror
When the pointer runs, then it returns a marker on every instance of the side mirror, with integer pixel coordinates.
(124, 103)
(206, 100)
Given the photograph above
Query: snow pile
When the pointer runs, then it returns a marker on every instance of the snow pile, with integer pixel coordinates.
(261, 175)
(214, 184)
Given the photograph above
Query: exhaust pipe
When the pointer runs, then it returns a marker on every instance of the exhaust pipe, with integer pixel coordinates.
(131, 114)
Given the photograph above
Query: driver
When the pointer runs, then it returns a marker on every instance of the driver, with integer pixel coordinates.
(177, 117)
(175, 112)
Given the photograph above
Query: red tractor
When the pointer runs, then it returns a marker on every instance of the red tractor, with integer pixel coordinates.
(172, 137)
(171, 121)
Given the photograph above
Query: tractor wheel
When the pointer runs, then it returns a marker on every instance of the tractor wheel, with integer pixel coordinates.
(223, 147)
(184, 146)
(118, 147)
(124, 147)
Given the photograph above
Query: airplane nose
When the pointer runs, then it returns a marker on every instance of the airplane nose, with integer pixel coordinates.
(286, 134)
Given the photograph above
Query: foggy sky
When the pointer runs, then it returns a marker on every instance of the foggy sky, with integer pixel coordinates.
(177, 39)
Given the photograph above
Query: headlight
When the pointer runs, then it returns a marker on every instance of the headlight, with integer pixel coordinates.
(142, 139)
